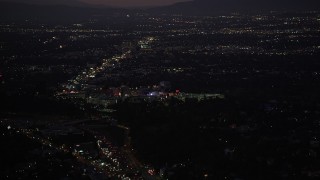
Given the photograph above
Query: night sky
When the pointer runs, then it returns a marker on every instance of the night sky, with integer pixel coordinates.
(118, 3)
(133, 2)
(315, 4)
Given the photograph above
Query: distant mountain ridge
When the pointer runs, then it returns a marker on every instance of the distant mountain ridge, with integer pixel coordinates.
(75, 10)
(198, 7)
